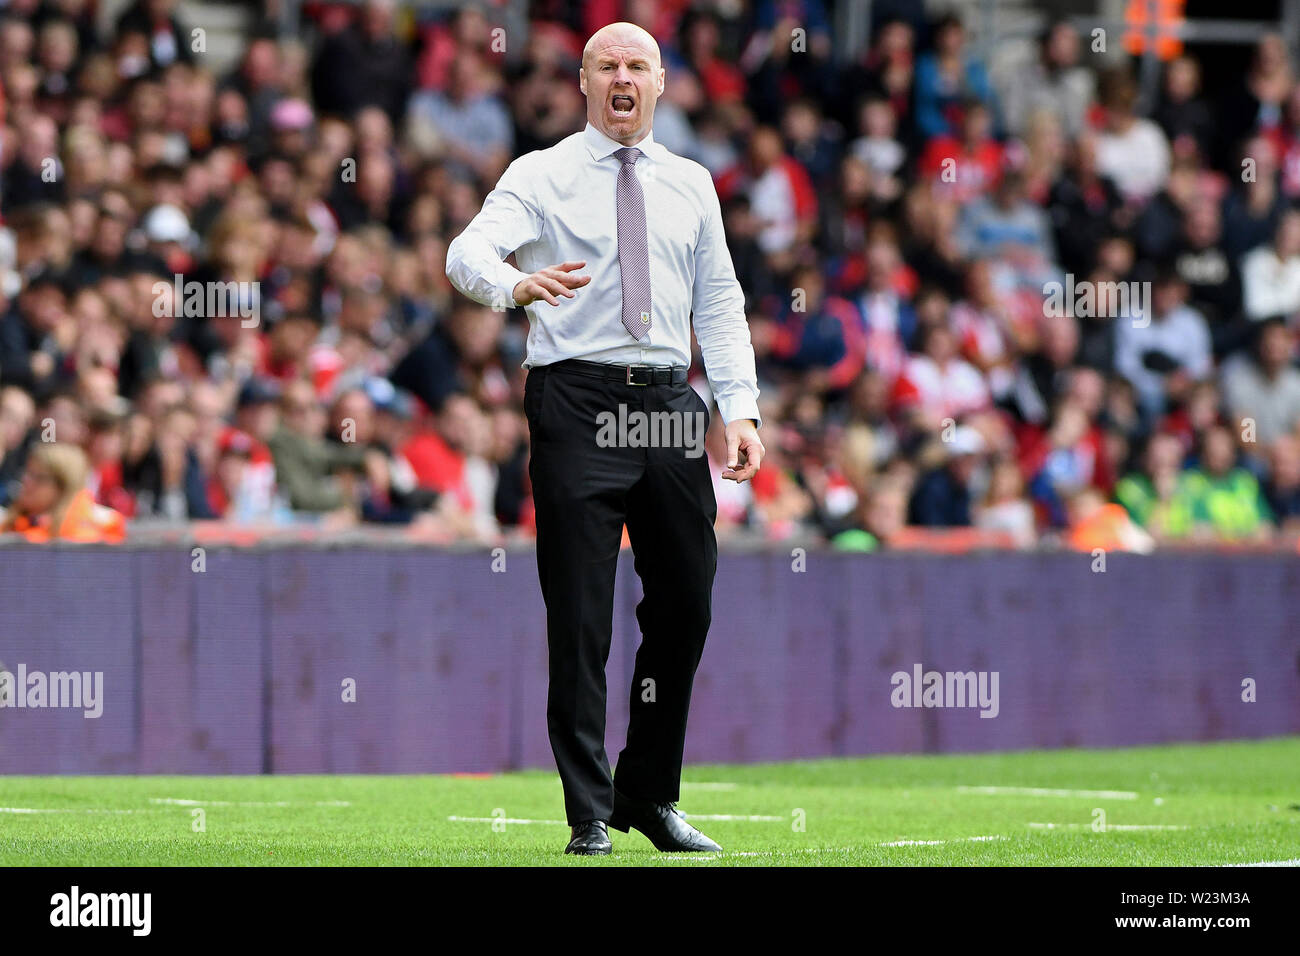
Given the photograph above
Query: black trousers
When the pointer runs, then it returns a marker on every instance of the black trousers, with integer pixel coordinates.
(585, 490)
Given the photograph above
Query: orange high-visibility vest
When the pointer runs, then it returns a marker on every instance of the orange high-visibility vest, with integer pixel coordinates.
(1102, 529)
(1165, 16)
(84, 521)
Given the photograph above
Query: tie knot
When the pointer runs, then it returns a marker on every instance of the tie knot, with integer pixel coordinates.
(628, 155)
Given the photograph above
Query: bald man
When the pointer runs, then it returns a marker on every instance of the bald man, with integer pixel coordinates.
(621, 253)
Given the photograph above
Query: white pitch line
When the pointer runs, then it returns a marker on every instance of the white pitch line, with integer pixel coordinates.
(972, 839)
(724, 853)
(1050, 792)
(70, 810)
(178, 802)
(690, 816)
(1268, 863)
(1109, 826)
(819, 849)
(558, 823)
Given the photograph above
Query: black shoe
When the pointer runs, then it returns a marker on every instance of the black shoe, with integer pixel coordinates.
(589, 839)
(662, 824)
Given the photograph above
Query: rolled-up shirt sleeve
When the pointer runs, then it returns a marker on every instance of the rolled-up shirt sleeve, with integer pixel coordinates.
(718, 307)
(509, 219)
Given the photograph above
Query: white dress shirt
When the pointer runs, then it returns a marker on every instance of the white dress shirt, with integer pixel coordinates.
(557, 205)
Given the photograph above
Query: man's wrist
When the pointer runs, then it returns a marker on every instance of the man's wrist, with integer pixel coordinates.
(736, 408)
(509, 282)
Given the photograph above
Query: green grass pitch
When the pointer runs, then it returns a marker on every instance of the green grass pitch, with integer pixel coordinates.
(1170, 805)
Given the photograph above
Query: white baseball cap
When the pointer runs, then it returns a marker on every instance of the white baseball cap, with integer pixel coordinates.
(167, 223)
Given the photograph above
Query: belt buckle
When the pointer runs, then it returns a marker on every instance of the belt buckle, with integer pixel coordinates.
(629, 376)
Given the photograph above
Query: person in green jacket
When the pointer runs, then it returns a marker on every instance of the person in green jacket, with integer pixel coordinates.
(1224, 500)
(1151, 496)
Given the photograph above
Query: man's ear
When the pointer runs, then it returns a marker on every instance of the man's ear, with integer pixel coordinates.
(582, 80)
(661, 81)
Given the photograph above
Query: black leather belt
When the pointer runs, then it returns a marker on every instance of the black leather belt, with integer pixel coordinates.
(627, 374)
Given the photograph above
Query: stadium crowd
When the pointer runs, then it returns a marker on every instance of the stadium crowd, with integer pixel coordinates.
(895, 223)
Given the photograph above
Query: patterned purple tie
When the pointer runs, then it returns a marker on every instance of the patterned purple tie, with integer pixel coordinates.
(633, 246)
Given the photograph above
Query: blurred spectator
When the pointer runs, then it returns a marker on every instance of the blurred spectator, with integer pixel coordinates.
(939, 384)
(820, 332)
(1164, 355)
(947, 78)
(1009, 226)
(1085, 206)
(780, 67)
(1255, 102)
(454, 356)
(1213, 282)
(1282, 489)
(1270, 274)
(35, 335)
(881, 517)
(781, 196)
(365, 66)
(1224, 500)
(155, 22)
(942, 497)
(966, 164)
(886, 70)
(1251, 210)
(168, 480)
(53, 502)
(310, 469)
(1096, 524)
(879, 146)
(811, 141)
(454, 461)
(1184, 116)
(1131, 150)
(1265, 387)
(17, 416)
(1069, 457)
(1055, 81)
(468, 121)
(244, 489)
(1005, 507)
(890, 319)
(1152, 495)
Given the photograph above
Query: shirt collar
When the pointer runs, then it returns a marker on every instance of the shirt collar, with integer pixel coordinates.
(600, 145)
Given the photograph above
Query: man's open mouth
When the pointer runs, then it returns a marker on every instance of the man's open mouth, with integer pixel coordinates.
(622, 105)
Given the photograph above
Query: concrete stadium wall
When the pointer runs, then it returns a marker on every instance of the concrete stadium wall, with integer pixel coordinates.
(239, 669)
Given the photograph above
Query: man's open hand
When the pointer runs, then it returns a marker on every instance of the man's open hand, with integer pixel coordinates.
(549, 282)
(744, 450)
